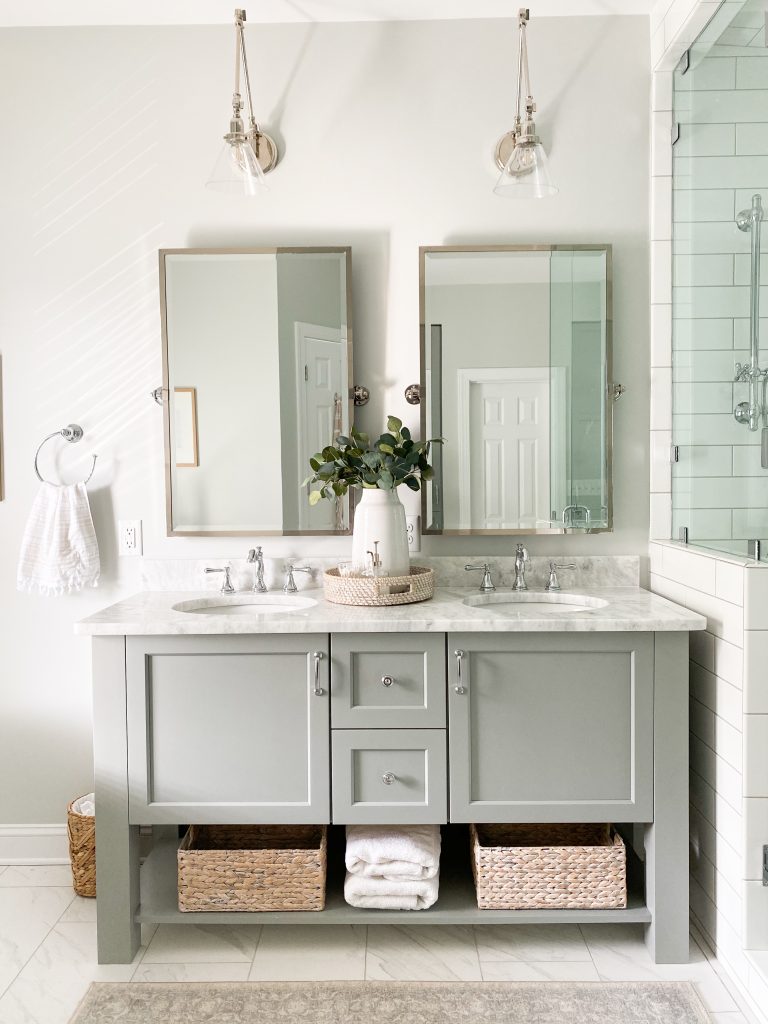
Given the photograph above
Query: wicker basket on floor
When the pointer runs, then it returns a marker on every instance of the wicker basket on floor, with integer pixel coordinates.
(81, 831)
(252, 868)
(547, 867)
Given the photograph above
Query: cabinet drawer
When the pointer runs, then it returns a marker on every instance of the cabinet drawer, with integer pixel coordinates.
(389, 776)
(388, 681)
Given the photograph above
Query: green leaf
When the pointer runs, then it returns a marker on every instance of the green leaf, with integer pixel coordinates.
(412, 482)
(386, 480)
(330, 454)
(405, 433)
(387, 448)
(394, 424)
(315, 464)
(314, 497)
(339, 489)
(342, 440)
(428, 473)
(372, 459)
(386, 439)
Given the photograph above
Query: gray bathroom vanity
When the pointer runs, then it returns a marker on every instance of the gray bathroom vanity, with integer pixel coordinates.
(547, 708)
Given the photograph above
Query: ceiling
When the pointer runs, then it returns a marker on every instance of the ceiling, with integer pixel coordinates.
(20, 13)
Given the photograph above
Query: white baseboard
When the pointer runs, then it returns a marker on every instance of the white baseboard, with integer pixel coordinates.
(33, 844)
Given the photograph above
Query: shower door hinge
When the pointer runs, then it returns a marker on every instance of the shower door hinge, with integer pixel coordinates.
(675, 132)
(765, 865)
(684, 64)
(674, 453)
(682, 534)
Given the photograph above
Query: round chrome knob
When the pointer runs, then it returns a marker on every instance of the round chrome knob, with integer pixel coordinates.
(387, 680)
(387, 778)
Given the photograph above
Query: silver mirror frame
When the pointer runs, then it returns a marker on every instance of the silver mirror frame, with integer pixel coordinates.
(344, 250)
(607, 248)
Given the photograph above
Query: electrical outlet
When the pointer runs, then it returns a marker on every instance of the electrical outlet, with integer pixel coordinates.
(129, 537)
(413, 529)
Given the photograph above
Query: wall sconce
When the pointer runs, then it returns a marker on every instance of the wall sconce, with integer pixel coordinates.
(520, 154)
(246, 155)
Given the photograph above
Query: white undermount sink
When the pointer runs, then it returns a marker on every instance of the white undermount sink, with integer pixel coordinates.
(246, 605)
(516, 602)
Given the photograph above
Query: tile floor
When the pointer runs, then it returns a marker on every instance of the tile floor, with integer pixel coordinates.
(48, 953)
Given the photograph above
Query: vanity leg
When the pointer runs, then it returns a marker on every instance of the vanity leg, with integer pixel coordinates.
(117, 842)
(666, 840)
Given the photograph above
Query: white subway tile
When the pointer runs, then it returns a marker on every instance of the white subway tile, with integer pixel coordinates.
(668, 588)
(749, 523)
(729, 582)
(756, 673)
(661, 271)
(697, 271)
(701, 204)
(736, 493)
(661, 208)
(752, 72)
(655, 555)
(729, 662)
(705, 837)
(726, 106)
(689, 569)
(755, 902)
(706, 429)
(661, 143)
(724, 619)
(661, 467)
(702, 725)
(706, 524)
(746, 459)
(721, 301)
(660, 517)
(758, 976)
(711, 397)
(755, 814)
(756, 579)
(715, 365)
(657, 46)
(703, 140)
(702, 649)
(703, 460)
(661, 89)
(741, 330)
(729, 743)
(717, 236)
(712, 73)
(661, 334)
(755, 760)
(737, 171)
(661, 398)
(752, 139)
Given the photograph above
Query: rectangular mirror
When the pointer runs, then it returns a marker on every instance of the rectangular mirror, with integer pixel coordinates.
(515, 364)
(257, 365)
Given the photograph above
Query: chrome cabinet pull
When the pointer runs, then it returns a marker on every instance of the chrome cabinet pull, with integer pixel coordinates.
(459, 688)
(387, 680)
(388, 778)
(318, 690)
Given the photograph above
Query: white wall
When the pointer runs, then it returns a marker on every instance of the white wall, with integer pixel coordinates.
(387, 131)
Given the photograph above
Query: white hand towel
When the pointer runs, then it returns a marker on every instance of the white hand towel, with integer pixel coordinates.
(59, 552)
(386, 894)
(408, 852)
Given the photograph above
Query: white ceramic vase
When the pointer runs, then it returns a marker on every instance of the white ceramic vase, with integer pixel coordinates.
(380, 516)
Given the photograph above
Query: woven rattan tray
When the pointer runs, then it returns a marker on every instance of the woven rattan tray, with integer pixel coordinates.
(381, 590)
(252, 867)
(542, 867)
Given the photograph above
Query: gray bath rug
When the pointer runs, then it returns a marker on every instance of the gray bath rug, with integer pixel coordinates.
(392, 1002)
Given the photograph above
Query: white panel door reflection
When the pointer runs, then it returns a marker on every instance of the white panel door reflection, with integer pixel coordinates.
(504, 429)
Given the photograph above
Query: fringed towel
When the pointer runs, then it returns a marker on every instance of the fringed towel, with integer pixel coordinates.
(59, 552)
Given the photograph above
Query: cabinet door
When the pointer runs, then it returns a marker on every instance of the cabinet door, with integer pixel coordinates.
(388, 680)
(228, 729)
(551, 727)
(389, 777)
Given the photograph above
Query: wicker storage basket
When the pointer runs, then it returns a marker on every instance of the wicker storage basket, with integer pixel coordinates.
(81, 831)
(252, 867)
(542, 867)
(381, 590)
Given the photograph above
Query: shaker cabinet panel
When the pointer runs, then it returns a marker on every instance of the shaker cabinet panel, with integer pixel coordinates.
(228, 729)
(555, 730)
(389, 776)
(388, 680)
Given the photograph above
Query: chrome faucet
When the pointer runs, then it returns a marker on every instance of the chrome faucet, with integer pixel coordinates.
(568, 511)
(553, 582)
(290, 583)
(226, 586)
(521, 557)
(486, 587)
(256, 557)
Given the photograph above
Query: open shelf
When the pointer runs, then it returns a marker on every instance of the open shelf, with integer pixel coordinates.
(457, 903)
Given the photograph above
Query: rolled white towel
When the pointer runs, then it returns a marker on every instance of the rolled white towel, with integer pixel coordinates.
(387, 894)
(407, 852)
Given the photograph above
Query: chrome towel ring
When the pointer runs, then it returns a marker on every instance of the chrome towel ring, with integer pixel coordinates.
(72, 433)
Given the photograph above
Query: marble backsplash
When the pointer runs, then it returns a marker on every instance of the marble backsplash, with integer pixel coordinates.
(598, 571)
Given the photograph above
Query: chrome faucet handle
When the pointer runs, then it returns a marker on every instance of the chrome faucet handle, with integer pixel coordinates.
(290, 583)
(255, 556)
(553, 582)
(226, 586)
(521, 558)
(486, 587)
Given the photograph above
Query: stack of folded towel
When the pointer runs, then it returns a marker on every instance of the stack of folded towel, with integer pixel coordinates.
(392, 867)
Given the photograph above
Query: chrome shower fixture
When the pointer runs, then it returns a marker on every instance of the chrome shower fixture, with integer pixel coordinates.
(519, 154)
(751, 411)
(249, 154)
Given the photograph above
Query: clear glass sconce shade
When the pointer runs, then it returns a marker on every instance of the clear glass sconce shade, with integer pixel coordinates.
(526, 174)
(237, 171)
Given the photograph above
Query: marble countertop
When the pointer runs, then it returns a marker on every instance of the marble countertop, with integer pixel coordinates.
(626, 609)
